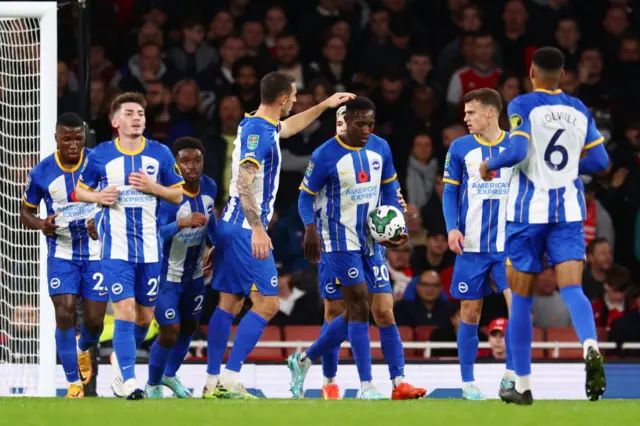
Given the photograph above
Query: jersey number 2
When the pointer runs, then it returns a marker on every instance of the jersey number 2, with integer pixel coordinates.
(551, 148)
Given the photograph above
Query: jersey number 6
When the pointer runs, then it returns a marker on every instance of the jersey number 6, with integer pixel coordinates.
(551, 148)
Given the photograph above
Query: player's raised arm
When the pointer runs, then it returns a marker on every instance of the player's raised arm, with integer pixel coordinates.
(452, 178)
(296, 123)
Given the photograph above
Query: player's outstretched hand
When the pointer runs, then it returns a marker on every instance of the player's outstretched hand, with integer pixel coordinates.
(260, 244)
(194, 220)
(456, 241)
(338, 99)
(312, 244)
(108, 196)
(402, 202)
(91, 229)
(141, 181)
(47, 226)
(393, 244)
(485, 173)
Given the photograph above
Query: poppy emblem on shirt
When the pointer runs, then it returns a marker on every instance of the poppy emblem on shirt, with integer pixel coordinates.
(363, 176)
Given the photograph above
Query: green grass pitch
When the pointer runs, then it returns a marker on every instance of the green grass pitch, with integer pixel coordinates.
(109, 411)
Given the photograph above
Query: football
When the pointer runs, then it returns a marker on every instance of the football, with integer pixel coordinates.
(386, 223)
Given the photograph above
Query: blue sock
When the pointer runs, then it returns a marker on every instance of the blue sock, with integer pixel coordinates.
(124, 344)
(248, 333)
(331, 356)
(581, 312)
(392, 350)
(219, 331)
(508, 345)
(157, 363)
(361, 347)
(66, 343)
(87, 338)
(178, 353)
(467, 349)
(330, 339)
(140, 334)
(522, 334)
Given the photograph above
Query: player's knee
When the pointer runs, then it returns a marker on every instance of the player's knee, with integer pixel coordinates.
(470, 311)
(230, 303)
(65, 317)
(267, 307)
(94, 324)
(168, 335)
(383, 316)
(125, 310)
(333, 310)
(359, 310)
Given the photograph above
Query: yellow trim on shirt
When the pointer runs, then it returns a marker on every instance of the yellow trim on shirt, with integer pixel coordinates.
(344, 145)
(253, 160)
(24, 200)
(451, 181)
(519, 133)
(487, 143)
(136, 152)
(74, 168)
(391, 179)
(509, 262)
(254, 115)
(549, 91)
(304, 188)
(191, 194)
(85, 186)
(594, 143)
(177, 184)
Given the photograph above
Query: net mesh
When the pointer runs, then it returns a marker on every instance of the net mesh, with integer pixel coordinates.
(19, 247)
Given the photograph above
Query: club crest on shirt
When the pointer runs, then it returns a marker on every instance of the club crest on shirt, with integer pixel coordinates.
(252, 142)
(375, 165)
(28, 183)
(176, 169)
(309, 168)
(516, 121)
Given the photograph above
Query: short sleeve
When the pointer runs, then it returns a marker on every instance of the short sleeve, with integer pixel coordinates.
(519, 123)
(255, 143)
(33, 192)
(90, 172)
(452, 166)
(170, 174)
(388, 170)
(316, 174)
(593, 137)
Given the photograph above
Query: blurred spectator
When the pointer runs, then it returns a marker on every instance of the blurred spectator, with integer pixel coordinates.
(498, 349)
(450, 134)
(101, 67)
(435, 255)
(593, 88)
(515, 39)
(428, 308)
(598, 223)
(143, 68)
(627, 328)
(415, 226)
(186, 112)
(221, 27)
(482, 72)
(246, 84)
(297, 307)
(549, 310)
(615, 24)
(421, 171)
(419, 66)
(400, 272)
(567, 39)
(194, 58)
(391, 107)
(570, 82)
(232, 48)
(332, 64)
(68, 100)
(509, 88)
(275, 22)
(288, 56)
(253, 36)
(99, 119)
(432, 215)
(158, 117)
(376, 44)
(599, 260)
(613, 303)
(449, 333)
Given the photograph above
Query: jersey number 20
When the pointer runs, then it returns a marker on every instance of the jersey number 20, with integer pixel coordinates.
(551, 148)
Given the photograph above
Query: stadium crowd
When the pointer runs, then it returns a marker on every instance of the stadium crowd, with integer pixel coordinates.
(199, 64)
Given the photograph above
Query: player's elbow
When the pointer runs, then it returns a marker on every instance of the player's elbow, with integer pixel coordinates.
(175, 196)
(602, 162)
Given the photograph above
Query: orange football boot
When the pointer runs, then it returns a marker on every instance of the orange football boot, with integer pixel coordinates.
(406, 391)
(84, 366)
(331, 391)
(75, 391)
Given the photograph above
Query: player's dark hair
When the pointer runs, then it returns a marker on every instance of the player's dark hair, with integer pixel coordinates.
(618, 278)
(70, 120)
(126, 98)
(186, 142)
(486, 96)
(548, 59)
(273, 85)
(360, 103)
(591, 247)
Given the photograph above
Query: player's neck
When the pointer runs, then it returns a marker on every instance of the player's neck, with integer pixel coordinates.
(66, 163)
(544, 85)
(270, 111)
(130, 143)
(491, 134)
(345, 138)
(191, 187)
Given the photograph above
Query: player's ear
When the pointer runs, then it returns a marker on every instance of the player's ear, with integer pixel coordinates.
(562, 74)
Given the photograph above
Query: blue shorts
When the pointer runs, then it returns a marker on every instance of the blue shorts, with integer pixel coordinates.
(527, 244)
(128, 280)
(79, 277)
(181, 300)
(348, 268)
(235, 270)
(471, 275)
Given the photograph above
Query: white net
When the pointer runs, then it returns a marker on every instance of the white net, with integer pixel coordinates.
(19, 247)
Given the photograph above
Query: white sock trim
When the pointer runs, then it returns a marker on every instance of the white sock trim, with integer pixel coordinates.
(589, 343)
(523, 383)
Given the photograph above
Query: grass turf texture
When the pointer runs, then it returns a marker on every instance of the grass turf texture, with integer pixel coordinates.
(108, 411)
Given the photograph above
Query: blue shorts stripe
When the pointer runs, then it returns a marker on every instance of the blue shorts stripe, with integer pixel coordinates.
(486, 219)
(562, 215)
(139, 246)
(527, 199)
(494, 208)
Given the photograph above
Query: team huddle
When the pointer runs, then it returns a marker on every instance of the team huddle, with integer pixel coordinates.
(129, 220)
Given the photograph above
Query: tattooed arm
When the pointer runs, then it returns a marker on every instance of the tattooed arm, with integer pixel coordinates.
(260, 241)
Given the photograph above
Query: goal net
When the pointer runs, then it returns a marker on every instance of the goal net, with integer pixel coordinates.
(27, 120)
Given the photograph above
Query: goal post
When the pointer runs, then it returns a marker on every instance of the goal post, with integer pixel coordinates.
(28, 113)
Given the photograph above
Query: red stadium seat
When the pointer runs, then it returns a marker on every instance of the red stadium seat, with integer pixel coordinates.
(538, 336)
(271, 333)
(406, 335)
(307, 333)
(423, 333)
(564, 334)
